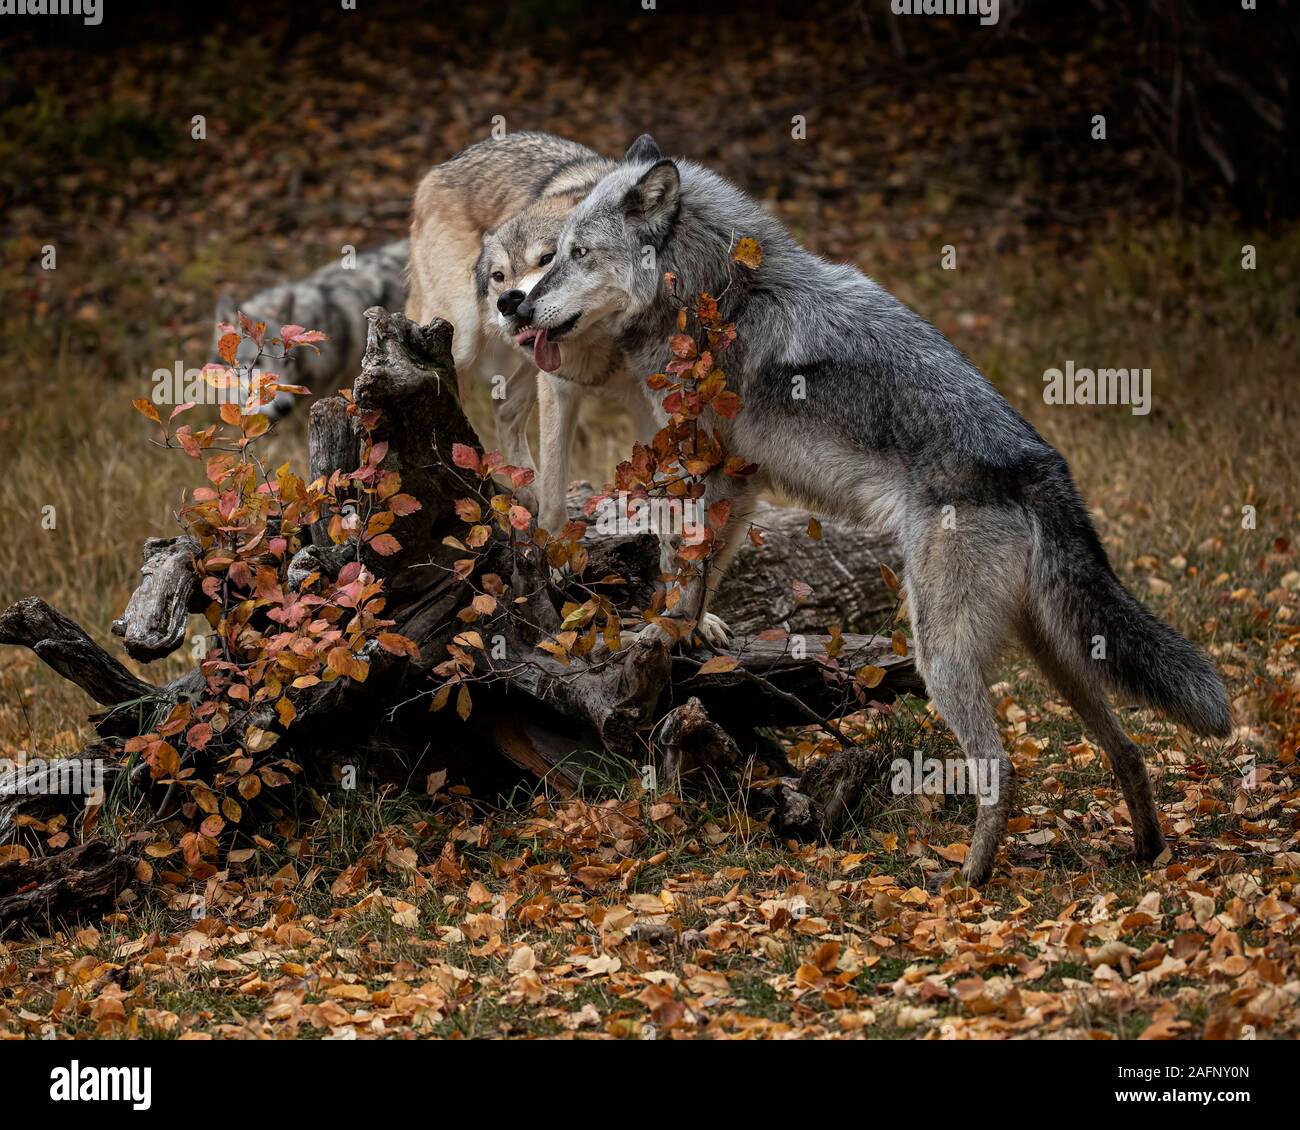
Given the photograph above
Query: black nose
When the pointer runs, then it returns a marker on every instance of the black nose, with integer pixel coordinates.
(524, 310)
(508, 303)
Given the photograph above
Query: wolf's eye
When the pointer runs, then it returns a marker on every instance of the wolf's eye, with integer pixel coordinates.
(578, 252)
(498, 276)
(546, 258)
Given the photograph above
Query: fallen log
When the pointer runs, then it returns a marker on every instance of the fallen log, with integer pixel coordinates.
(73, 884)
(793, 681)
(842, 568)
(528, 712)
(36, 791)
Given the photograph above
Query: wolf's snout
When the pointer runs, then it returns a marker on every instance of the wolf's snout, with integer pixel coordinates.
(509, 302)
(523, 310)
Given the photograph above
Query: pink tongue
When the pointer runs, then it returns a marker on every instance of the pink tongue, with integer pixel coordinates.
(546, 354)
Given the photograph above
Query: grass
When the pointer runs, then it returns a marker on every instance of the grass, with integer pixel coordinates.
(278, 953)
(1167, 489)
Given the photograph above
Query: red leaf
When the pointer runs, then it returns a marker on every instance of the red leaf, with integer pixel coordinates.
(464, 456)
(682, 345)
(403, 504)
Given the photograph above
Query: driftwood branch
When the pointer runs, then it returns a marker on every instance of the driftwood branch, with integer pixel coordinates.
(62, 643)
(688, 739)
(153, 624)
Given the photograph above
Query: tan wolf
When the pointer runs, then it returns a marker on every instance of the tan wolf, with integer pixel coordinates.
(483, 229)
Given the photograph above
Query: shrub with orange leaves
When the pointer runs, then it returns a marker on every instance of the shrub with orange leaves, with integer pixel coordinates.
(270, 640)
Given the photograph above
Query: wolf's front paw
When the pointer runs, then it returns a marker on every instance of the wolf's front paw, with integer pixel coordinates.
(714, 630)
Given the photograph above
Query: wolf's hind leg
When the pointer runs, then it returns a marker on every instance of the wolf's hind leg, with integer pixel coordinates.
(963, 593)
(1089, 701)
(955, 681)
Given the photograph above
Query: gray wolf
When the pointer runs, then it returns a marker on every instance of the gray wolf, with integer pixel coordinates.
(896, 427)
(330, 300)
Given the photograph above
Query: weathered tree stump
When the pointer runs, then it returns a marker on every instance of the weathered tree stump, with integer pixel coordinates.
(531, 712)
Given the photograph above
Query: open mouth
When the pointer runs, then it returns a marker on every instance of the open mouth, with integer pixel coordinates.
(546, 351)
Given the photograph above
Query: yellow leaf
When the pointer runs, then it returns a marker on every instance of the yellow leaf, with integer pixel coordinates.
(578, 616)
(145, 408)
(718, 665)
(953, 853)
(871, 676)
(256, 424)
(257, 740)
(748, 253)
(286, 710)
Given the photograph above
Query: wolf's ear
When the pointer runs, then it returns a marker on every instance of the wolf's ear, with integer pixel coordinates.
(644, 148)
(652, 202)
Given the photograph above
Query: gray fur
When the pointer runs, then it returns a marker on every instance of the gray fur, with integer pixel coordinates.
(332, 300)
(897, 427)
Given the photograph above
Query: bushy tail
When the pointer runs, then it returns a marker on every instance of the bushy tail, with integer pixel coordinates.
(1100, 631)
